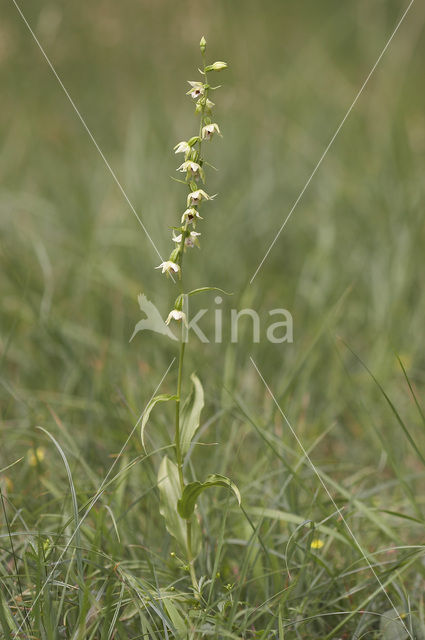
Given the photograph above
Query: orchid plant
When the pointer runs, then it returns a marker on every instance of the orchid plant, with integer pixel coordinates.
(178, 496)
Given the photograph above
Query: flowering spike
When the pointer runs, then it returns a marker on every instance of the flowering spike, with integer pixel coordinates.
(185, 237)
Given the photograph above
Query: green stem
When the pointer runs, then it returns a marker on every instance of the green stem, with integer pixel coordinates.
(190, 557)
(179, 457)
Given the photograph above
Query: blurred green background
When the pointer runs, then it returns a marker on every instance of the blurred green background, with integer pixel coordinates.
(349, 264)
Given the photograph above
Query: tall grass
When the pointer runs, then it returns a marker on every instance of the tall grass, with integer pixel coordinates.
(348, 266)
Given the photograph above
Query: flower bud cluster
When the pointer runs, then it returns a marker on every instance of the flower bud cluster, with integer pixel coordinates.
(185, 236)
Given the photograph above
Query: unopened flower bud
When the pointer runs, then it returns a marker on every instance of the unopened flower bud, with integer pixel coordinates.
(217, 66)
(203, 44)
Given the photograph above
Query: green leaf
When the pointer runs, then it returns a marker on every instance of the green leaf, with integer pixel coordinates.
(202, 289)
(191, 492)
(191, 414)
(163, 397)
(178, 622)
(169, 494)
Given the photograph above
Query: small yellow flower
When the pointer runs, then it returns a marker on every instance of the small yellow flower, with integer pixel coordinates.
(37, 456)
(317, 543)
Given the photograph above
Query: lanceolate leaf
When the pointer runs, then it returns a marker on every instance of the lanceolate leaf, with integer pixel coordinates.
(191, 414)
(163, 397)
(169, 492)
(191, 492)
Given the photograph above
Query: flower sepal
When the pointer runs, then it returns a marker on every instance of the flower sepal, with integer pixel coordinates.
(190, 216)
(196, 197)
(192, 170)
(183, 147)
(209, 130)
(190, 240)
(175, 314)
(168, 267)
(204, 103)
(196, 90)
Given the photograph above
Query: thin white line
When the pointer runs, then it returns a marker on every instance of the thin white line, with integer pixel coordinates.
(331, 141)
(93, 501)
(338, 510)
(87, 129)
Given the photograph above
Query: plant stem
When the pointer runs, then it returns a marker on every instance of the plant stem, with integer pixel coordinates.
(179, 460)
(179, 457)
(190, 557)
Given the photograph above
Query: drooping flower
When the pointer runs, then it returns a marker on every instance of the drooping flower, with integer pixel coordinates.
(168, 266)
(197, 89)
(209, 130)
(203, 103)
(193, 169)
(190, 241)
(190, 214)
(182, 147)
(196, 197)
(176, 315)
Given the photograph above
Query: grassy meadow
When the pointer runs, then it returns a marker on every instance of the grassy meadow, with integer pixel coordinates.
(329, 543)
